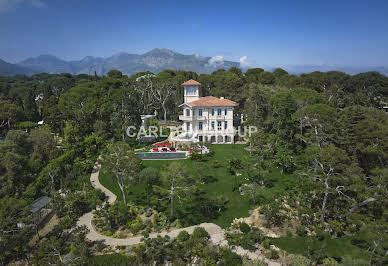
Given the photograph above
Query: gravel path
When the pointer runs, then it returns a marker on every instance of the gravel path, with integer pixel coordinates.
(216, 233)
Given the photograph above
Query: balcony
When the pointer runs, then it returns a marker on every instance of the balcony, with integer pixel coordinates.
(217, 117)
(185, 118)
(191, 118)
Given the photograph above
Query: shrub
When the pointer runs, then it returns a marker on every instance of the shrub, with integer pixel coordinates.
(195, 156)
(299, 260)
(329, 262)
(229, 258)
(321, 235)
(148, 212)
(112, 259)
(200, 232)
(145, 233)
(66, 222)
(210, 154)
(246, 240)
(257, 235)
(136, 225)
(301, 230)
(244, 227)
(216, 164)
(266, 244)
(274, 254)
(289, 233)
(235, 164)
(183, 236)
(100, 245)
(106, 233)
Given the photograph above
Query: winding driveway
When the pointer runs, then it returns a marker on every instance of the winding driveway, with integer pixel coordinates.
(216, 233)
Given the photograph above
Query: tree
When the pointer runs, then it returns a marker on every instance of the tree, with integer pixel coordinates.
(176, 185)
(253, 74)
(257, 107)
(150, 177)
(9, 113)
(162, 91)
(316, 124)
(327, 167)
(285, 160)
(114, 73)
(123, 163)
(12, 238)
(279, 72)
(253, 190)
(283, 105)
(125, 112)
(266, 78)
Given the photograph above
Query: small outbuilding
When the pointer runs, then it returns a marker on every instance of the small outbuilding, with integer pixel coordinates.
(40, 209)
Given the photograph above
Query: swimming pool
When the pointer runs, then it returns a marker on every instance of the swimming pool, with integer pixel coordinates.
(161, 155)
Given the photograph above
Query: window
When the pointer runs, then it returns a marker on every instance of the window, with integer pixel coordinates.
(199, 112)
(226, 111)
(213, 125)
(187, 126)
(187, 112)
(226, 125)
(219, 112)
(193, 112)
(219, 125)
(213, 112)
(200, 125)
(191, 90)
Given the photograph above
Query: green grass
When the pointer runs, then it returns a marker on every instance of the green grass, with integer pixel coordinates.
(107, 180)
(336, 247)
(237, 206)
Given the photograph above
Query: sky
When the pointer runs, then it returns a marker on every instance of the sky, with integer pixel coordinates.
(258, 33)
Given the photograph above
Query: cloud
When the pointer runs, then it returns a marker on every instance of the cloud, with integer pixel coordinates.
(11, 5)
(244, 61)
(216, 61)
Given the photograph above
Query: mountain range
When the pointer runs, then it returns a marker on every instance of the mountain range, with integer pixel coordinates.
(155, 61)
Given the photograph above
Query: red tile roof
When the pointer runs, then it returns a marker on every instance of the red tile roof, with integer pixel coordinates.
(191, 82)
(210, 101)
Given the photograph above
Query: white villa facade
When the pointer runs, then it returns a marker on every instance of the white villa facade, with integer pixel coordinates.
(206, 119)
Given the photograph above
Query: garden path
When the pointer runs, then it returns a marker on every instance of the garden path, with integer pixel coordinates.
(216, 233)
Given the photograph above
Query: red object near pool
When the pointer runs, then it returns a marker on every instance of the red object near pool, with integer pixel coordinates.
(162, 144)
(155, 149)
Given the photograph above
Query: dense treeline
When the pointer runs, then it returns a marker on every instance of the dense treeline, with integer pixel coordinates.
(328, 129)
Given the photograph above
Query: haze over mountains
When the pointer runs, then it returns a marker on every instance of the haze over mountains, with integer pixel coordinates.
(155, 61)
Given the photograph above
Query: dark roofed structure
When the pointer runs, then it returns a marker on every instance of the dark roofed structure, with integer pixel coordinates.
(40, 203)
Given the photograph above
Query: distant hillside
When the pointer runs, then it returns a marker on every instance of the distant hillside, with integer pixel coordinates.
(155, 60)
(299, 69)
(8, 69)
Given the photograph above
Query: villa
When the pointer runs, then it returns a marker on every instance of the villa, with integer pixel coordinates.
(205, 119)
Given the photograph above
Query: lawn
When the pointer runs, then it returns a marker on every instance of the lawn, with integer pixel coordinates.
(237, 206)
(336, 247)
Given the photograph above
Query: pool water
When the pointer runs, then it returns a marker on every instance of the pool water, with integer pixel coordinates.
(161, 155)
